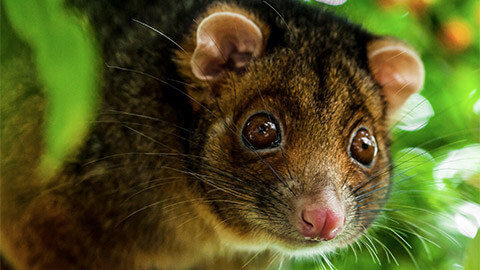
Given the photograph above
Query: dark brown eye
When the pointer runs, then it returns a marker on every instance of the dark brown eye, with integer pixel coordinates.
(261, 131)
(363, 147)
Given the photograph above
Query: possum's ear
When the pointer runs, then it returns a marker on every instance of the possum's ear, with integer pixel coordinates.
(225, 41)
(397, 68)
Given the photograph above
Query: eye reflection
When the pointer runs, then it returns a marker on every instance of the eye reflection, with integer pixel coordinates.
(363, 147)
(261, 131)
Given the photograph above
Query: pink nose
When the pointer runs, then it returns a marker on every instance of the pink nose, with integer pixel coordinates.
(321, 223)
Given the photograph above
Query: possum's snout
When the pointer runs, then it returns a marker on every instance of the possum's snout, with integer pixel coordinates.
(320, 217)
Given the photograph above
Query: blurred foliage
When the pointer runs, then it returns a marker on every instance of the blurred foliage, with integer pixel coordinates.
(67, 66)
(472, 260)
(434, 206)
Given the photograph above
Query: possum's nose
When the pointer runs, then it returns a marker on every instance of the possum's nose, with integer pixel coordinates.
(322, 217)
(321, 223)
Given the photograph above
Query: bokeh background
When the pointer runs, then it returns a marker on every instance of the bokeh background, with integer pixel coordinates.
(433, 216)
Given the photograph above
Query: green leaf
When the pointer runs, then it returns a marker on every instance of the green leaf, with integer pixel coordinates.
(67, 63)
(473, 259)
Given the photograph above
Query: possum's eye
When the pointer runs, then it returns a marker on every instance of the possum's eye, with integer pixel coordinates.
(363, 147)
(261, 131)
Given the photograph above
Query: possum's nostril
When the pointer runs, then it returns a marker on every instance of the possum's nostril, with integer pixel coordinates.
(320, 223)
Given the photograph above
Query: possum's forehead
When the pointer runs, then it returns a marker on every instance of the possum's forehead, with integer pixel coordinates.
(308, 87)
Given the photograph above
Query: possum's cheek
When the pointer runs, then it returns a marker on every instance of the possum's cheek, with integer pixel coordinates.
(365, 201)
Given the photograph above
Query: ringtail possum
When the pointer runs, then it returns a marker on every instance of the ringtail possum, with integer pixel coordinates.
(226, 128)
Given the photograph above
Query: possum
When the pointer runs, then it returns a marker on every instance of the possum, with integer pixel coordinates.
(225, 128)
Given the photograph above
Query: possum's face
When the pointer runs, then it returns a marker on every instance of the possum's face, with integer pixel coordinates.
(294, 126)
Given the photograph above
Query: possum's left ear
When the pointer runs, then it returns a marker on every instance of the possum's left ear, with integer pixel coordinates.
(397, 68)
(226, 41)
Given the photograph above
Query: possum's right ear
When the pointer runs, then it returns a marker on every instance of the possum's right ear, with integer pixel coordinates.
(397, 68)
(225, 41)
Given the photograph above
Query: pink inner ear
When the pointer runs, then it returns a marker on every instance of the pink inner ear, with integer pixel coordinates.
(398, 69)
(225, 41)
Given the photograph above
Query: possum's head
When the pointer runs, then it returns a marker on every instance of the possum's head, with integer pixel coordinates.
(293, 118)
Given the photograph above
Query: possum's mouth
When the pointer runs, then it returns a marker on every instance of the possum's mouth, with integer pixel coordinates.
(298, 247)
(289, 239)
(306, 247)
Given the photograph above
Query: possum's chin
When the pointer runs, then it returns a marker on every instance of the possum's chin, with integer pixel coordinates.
(263, 241)
(292, 251)
(309, 250)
